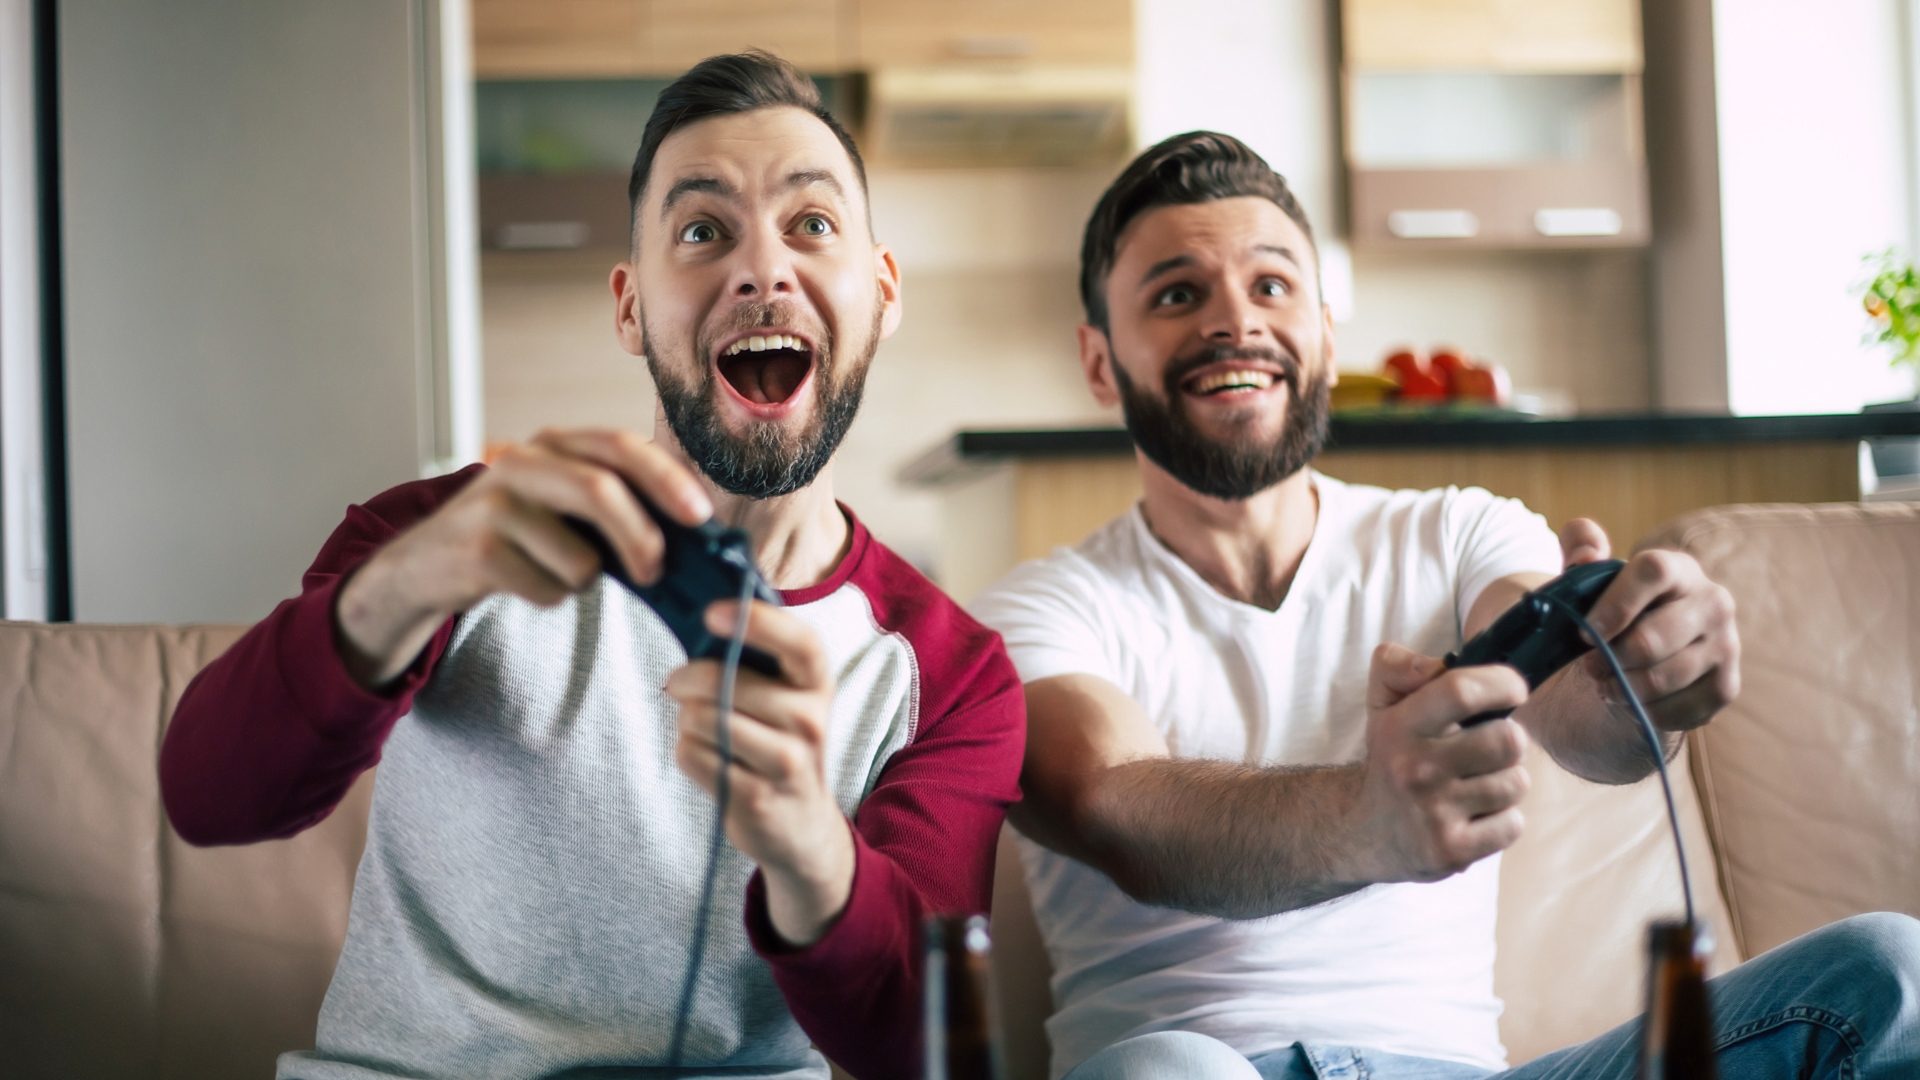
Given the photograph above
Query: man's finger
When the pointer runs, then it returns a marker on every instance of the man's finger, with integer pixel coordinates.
(667, 483)
(1396, 672)
(1483, 749)
(754, 746)
(570, 485)
(556, 549)
(1492, 792)
(1582, 540)
(1495, 832)
(1650, 578)
(770, 702)
(1463, 693)
(779, 634)
(517, 573)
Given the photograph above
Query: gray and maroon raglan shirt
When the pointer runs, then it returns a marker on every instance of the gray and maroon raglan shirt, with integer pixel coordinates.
(526, 902)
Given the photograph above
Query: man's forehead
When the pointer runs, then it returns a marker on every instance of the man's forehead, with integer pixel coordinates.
(763, 150)
(1242, 227)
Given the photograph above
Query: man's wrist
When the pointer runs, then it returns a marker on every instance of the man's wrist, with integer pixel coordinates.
(804, 899)
(376, 632)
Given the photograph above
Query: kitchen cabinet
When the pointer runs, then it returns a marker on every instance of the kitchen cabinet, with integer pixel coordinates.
(1494, 123)
(894, 33)
(807, 32)
(1494, 35)
(557, 39)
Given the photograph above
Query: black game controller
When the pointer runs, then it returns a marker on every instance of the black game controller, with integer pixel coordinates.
(1535, 636)
(701, 564)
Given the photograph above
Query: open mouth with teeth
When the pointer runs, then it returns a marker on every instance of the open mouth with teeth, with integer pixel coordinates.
(767, 369)
(1236, 380)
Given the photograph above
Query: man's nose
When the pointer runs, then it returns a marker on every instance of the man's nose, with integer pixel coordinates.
(763, 267)
(1233, 319)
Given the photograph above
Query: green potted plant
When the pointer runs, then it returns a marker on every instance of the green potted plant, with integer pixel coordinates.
(1892, 301)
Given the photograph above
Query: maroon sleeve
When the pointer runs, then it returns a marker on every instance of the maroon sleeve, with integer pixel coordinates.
(924, 839)
(268, 738)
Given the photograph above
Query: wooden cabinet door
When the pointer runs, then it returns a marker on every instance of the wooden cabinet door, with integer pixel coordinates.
(1494, 35)
(537, 39)
(904, 33)
(807, 32)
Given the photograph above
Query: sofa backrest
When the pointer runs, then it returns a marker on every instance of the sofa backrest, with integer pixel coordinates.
(123, 951)
(1811, 780)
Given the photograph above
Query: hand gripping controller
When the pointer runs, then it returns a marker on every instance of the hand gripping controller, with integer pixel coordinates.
(701, 564)
(1536, 636)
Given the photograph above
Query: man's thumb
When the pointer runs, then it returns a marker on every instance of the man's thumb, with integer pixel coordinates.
(1582, 540)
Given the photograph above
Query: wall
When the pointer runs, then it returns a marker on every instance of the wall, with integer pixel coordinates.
(244, 296)
(1815, 138)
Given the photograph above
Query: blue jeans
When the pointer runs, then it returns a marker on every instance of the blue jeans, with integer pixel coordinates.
(1842, 1002)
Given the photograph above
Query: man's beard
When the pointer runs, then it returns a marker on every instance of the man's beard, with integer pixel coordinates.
(1166, 434)
(769, 461)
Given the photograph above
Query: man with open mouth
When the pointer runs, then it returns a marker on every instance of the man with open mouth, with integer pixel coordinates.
(530, 895)
(1259, 839)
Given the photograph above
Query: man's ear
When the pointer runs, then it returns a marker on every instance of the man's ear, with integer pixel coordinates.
(889, 275)
(1096, 362)
(1326, 347)
(627, 326)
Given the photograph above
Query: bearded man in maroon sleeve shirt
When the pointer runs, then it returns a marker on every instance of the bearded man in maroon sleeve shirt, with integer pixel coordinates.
(529, 895)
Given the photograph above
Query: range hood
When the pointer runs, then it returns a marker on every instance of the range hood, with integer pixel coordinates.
(999, 115)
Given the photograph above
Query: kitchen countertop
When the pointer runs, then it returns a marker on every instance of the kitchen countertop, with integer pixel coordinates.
(965, 453)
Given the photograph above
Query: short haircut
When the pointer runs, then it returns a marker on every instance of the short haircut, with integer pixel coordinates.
(1197, 167)
(722, 86)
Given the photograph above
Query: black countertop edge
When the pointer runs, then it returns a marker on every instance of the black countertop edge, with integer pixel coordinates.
(966, 452)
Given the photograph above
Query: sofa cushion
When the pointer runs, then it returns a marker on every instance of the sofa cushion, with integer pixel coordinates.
(126, 952)
(1811, 780)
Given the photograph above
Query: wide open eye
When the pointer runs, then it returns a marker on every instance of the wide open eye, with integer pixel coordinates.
(1175, 294)
(1271, 287)
(699, 232)
(815, 225)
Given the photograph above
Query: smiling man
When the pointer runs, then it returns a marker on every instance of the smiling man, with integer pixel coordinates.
(530, 892)
(1261, 842)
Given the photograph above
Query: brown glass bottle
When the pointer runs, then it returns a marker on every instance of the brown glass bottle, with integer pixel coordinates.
(959, 1026)
(1677, 1036)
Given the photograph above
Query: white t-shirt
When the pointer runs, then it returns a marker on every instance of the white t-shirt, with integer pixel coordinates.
(1405, 968)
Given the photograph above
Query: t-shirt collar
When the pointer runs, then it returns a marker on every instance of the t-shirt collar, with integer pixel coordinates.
(1329, 491)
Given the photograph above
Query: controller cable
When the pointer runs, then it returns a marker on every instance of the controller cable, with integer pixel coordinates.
(1647, 731)
(723, 742)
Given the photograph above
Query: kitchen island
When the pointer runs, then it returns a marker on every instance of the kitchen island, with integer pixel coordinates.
(1014, 495)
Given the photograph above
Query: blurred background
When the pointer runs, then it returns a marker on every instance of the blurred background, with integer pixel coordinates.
(262, 261)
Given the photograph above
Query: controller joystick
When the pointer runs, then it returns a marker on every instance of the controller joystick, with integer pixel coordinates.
(1536, 636)
(701, 564)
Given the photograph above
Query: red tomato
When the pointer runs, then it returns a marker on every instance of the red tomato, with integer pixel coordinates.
(1419, 380)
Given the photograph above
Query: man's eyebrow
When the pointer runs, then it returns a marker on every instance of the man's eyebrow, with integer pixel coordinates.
(1165, 265)
(811, 177)
(1275, 249)
(710, 185)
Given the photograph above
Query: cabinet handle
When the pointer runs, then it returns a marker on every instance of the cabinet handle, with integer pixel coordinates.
(1433, 224)
(1577, 221)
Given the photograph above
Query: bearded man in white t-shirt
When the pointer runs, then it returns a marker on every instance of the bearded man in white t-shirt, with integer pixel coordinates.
(1259, 840)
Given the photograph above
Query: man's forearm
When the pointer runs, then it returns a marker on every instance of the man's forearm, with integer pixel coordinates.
(1216, 838)
(1587, 736)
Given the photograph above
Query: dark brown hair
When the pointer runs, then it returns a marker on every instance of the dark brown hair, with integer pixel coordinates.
(1197, 167)
(724, 85)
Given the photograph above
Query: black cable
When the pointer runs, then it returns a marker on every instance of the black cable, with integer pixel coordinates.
(1646, 730)
(723, 741)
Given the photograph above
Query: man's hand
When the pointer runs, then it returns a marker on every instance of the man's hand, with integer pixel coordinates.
(1435, 797)
(780, 811)
(503, 533)
(1671, 628)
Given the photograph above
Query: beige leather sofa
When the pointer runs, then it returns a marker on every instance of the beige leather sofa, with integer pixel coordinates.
(125, 953)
